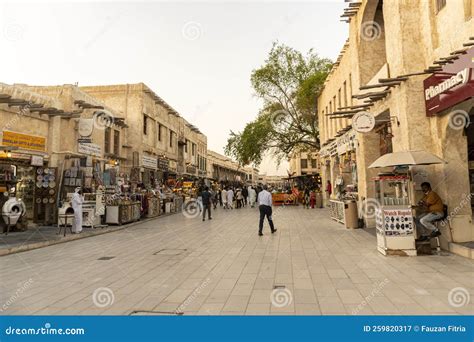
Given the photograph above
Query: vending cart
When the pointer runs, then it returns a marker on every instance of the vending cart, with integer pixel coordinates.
(394, 222)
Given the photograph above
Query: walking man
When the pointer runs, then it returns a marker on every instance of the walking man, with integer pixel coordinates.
(206, 203)
(245, 194)
(265, 206)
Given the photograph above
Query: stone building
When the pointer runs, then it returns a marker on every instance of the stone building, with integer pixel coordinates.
(52, 128)
(392, 49)
(223, 169)
(157, 134)
(304, 163)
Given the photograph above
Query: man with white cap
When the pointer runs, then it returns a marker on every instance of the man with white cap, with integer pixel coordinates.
(76, 203)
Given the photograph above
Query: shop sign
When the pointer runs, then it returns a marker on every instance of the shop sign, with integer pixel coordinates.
(37, 160)
(85, 127)
(172, 165)
(363, 122)
(149, 162)
(187, 184)
(89, 149)
(163, 164)
(24, 141)
(346, 143)
(450, 86)
(191, 169)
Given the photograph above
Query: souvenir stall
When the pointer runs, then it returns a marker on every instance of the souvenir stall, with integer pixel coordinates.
(21, 178)
(84, 171)
(122, 209)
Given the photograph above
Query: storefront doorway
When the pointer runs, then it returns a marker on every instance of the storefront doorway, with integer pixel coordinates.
(470, 154)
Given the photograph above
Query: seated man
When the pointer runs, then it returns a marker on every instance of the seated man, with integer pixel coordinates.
(433, 206)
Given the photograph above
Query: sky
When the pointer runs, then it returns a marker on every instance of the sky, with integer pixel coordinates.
(197, 56)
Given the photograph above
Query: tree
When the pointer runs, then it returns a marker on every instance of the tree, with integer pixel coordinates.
(289, 84)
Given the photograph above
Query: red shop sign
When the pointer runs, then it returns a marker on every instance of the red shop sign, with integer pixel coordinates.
(450, 86)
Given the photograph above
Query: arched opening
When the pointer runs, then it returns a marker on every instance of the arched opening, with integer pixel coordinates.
(372, 52)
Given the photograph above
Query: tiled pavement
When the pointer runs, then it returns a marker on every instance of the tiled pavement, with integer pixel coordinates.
(223, 267)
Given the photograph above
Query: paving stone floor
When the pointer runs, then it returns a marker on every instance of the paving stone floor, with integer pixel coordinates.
(221, 267)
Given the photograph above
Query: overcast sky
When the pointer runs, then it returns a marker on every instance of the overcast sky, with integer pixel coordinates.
(198, 56)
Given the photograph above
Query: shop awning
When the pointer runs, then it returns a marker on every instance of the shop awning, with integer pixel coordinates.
(406, 158)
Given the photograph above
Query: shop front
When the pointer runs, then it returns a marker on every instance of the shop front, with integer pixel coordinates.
(449, 101)
(23, 159)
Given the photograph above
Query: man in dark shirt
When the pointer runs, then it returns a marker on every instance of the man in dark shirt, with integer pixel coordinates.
(206, 203)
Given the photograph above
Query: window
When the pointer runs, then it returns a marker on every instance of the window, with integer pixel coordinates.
(193, 149)
(171, 138)
(314, 164)
(345, 94)
(107, 140)
(159, 132)
(186, 145)
(116, 142)
(304, 163)
(440, 4)
(339, 98)
(145, 125)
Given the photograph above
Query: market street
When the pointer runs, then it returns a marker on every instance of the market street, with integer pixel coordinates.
(222, 267)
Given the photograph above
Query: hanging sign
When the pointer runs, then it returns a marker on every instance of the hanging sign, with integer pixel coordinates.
(363, 122)
(90, 149)
(85, 128)
(149, 162)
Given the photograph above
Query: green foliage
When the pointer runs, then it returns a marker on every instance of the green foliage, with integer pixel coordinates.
(289, 84)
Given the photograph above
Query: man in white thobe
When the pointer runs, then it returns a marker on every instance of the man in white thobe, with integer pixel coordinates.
(224, 198)
(230, 198)
(76, 203)
(252, 196)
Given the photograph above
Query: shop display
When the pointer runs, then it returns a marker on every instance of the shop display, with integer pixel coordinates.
(123, 211)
